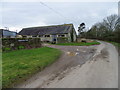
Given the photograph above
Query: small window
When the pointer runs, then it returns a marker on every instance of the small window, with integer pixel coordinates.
(47, 35)
(24, 36)
(61, 35)
(34, 36)
(40, 36)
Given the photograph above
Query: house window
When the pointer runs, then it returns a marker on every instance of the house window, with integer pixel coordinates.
(61, 35)
(47, 35)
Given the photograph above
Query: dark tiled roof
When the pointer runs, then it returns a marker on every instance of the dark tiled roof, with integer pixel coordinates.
(1, 31)
(57, 29)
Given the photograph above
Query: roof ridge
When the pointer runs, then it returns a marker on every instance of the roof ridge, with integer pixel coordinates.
(64, 28)
(49, 26)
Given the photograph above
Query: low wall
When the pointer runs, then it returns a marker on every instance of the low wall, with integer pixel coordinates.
(62, 40)
(9, 44)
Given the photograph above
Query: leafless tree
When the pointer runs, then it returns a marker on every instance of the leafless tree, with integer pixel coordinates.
(111, 22)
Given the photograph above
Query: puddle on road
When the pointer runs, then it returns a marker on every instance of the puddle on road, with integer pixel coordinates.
(72, 53)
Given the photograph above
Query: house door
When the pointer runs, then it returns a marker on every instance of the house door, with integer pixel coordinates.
(54, 38)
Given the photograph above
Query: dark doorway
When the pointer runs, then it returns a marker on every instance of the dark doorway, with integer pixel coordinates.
(54, 38)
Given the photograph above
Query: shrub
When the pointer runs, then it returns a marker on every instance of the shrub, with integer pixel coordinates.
(21, 47)
(6, 49)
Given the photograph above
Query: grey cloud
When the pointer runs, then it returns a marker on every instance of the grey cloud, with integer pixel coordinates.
(32, 13)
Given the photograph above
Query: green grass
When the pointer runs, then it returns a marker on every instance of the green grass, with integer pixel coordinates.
(79, 44)
(21, 64)
(114, 43)
(117, 45)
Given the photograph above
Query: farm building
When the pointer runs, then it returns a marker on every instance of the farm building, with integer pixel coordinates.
(7, 34)
(57, 33)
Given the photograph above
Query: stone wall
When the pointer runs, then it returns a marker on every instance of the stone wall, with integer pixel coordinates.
(62, 40)
(9, 44)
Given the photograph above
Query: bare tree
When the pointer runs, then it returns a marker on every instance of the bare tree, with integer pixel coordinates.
(111, 22)
(108, 29)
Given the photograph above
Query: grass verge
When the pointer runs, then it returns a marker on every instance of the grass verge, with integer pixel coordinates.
(21, 64)
(116, 44)
(79, 44)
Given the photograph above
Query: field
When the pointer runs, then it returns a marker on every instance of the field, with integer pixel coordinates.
(21, 64)
(79, 43)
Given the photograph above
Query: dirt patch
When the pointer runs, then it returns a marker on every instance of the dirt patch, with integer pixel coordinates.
(71, 54)
(103, 55)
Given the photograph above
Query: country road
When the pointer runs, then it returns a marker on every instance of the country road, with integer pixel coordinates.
(79, 67)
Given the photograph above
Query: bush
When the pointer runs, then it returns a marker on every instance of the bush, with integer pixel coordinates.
(6, 49)
(21, 47)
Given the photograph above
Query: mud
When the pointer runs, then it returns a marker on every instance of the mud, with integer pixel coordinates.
(103, 55)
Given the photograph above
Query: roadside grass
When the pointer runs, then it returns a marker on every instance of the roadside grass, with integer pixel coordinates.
(114, 43)
(117, 45)
(21, 64)
(79, 43)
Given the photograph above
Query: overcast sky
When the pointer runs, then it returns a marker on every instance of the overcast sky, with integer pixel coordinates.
(18, 15)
